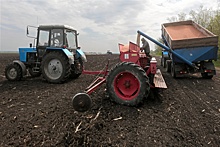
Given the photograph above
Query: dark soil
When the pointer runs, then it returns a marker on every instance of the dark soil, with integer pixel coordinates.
(36, 113)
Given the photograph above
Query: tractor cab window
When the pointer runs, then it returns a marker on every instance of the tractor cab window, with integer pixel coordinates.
(57, 38)
(71, 39)
(43, 38)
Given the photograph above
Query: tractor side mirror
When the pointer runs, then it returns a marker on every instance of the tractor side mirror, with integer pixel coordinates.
(78, 47)
(31, 31)
(27, 31)
(30, 45)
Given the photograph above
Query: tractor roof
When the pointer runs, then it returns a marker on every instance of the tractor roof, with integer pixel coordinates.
(56, 27)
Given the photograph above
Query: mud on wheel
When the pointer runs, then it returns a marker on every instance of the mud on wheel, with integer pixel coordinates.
(76, 68)
(127, 84)
(13, 72)
(55, 67)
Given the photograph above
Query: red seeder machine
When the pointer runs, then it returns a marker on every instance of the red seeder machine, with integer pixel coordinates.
(127, 83)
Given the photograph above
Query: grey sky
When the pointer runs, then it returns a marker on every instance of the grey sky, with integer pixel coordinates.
(102, 24)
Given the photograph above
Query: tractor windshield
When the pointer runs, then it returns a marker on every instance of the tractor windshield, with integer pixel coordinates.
(71, 39)
(43, 38)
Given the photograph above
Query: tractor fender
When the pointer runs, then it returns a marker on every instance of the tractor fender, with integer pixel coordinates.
(80, 54)
(22, 65)
(69, 55)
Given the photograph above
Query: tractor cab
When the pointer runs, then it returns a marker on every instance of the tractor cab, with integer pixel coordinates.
(56, 37)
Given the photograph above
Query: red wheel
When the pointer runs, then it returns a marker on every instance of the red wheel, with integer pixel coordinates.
(127, 84)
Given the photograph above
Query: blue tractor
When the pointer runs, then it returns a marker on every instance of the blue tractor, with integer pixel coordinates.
(56, 56)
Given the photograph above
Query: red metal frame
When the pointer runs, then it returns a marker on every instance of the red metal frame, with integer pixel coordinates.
(129, 53)
(98, 81)
(94, 85)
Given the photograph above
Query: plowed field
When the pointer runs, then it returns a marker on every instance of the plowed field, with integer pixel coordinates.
(36, 113)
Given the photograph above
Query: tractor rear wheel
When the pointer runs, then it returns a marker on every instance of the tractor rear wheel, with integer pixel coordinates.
(13, 72)
(127, 84)
(55, 67)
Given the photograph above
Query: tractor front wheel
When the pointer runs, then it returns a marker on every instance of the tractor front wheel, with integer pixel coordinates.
(13, 72)
(127, 84)
(55, 67)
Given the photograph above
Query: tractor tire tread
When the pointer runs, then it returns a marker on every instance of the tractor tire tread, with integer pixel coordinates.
(19, 72)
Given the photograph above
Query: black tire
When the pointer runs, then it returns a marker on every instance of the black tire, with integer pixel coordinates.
(13, 72)
(127, 73)
(163, 62)
(76, 69)
(55, 67)
(81, 102)
(206, 76)
(32, 73)
(168, 65)
(173, 72)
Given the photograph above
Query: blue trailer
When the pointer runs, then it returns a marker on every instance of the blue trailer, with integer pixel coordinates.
(187, 48)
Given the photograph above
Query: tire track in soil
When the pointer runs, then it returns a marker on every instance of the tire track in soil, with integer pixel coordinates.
(185, 111)
(201, 113)
(204, 97)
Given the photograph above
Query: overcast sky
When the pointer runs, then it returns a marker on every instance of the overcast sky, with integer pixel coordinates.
(102, 24)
